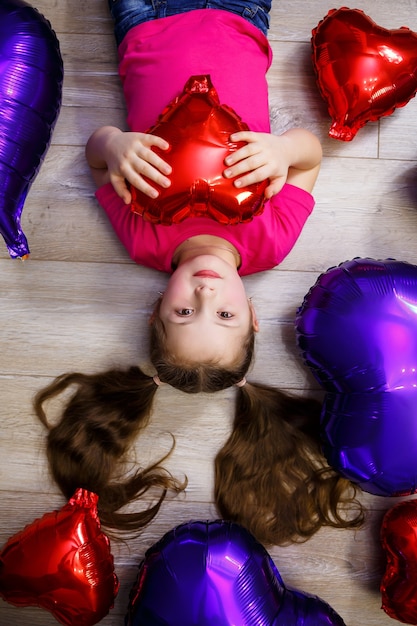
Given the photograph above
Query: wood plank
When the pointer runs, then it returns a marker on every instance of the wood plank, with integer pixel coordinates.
(297, 23)
(90, 17)
(79, 302)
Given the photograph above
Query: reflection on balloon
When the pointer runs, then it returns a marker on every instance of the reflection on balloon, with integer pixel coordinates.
(62, 563)
(364, 71)
(31, 75)
(209, 573)
(198, 131)
(357, 331)
(399, 541)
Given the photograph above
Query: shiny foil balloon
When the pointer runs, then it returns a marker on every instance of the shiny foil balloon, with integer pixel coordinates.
(31, 76)
(399, 582)
(62, 563)
(198, 131)
(357, 332)
(371, 438)
(209, 573)
(364, 71)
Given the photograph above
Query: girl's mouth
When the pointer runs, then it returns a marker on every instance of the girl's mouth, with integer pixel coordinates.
(207, 274)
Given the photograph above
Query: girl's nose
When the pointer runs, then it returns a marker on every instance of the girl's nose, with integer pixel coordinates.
(204, 291)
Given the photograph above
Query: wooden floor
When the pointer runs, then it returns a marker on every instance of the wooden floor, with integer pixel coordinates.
(79, 303)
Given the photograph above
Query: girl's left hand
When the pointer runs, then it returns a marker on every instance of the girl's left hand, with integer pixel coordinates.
(263, 157)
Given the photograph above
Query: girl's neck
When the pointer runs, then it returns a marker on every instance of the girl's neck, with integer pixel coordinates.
(206, 244)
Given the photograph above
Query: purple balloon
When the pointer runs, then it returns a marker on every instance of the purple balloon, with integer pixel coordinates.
(217, 574)
(357, 330)
(357, 326)
(371, 438)
(31, 77)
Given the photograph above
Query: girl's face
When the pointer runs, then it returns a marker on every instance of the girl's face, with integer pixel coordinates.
(205, 311)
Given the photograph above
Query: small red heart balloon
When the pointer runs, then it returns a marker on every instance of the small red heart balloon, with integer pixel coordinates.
(62, 563)
(363, 71)
(198, 131)
(399, 583)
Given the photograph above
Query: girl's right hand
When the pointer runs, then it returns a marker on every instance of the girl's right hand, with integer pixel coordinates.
(117, 157)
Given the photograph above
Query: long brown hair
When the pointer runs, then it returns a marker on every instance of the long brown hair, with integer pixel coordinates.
(88, 444)
(270, 476)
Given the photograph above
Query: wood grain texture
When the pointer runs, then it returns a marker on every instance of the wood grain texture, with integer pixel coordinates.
(79, 303)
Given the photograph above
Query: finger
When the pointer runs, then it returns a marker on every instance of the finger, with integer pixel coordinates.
(274, 188)
(244, 135)
(148, 154)
(158, 163)
(154, 140)
(120, 187)
(141, 167)
(146, 177)
(142, 185)
(254, 176)
(247, 165)
(143, 155)
(239, 155)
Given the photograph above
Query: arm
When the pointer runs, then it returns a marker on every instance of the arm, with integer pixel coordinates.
(115, 156)
(293, 157)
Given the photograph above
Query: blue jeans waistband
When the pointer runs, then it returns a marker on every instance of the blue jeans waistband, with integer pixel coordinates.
(129, 13)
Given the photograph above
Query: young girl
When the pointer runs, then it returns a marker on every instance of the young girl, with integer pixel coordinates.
(270, 475)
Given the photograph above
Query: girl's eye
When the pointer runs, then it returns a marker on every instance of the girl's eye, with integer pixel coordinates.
(225, 315)
(185, 312)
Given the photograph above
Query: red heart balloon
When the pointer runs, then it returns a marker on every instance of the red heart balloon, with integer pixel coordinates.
(363, 71)
(399, 583)
(198, 131)
(62, 563)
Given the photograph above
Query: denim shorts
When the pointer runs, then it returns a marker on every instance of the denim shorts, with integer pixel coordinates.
(129, 13)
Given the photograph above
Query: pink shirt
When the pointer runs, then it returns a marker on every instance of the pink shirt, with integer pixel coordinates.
(262, 243)
(156, 60)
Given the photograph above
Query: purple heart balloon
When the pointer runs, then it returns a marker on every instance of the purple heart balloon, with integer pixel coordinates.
(357, 330)
(31, 77)
(357, 326)
(371, 438)
(217, 574)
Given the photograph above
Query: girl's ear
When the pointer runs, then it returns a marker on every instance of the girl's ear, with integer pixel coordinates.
(255, 323)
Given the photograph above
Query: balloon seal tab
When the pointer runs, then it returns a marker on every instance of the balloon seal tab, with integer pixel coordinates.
(341, 132)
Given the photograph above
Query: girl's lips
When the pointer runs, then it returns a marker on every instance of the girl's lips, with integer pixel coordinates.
(207, 274)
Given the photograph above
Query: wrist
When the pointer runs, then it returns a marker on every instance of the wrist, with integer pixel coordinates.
(107, 137)
(302, 148)
(99, 146)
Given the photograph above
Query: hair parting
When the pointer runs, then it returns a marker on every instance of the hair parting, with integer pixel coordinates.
(196, 377)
